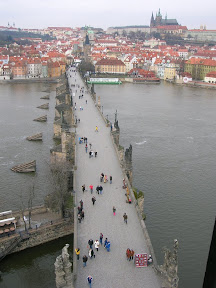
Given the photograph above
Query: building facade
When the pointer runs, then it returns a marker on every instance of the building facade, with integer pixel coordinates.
(198, 68)
(112, 66)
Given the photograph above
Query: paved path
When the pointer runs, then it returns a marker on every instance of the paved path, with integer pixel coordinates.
(108, 269)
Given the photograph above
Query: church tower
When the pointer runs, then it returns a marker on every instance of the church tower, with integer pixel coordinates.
(152, 22)
(158, 18)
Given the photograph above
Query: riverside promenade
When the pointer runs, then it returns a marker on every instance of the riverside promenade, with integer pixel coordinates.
(108, 269)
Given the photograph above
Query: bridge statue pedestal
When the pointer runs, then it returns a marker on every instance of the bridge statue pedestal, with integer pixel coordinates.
(64, 278)
(169, 269)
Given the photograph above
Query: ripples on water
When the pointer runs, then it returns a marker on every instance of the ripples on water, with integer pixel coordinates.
(33, 267)
(17, 111)
(172, 130)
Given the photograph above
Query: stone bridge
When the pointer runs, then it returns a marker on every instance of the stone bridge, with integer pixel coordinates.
(108, 269)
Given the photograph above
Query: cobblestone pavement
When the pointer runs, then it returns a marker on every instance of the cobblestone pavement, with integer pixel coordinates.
(108, 269)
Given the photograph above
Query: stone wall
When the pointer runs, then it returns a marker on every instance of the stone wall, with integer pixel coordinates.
(40, 236)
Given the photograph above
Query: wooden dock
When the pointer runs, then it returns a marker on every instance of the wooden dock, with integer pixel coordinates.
(41, 119)
(36, 137)
(44, 106)
(47, 97)
(25, 168)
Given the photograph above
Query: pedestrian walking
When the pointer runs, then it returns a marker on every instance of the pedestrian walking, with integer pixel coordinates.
(108, 246)
(132, 254)
(114, 210)
(77, 251)
(101, 177)
(97, 244)
(89, 280)
(86, 148)
(101, 238)
(90, 243)
(82, 214)
(111, 127)
(79, 218)
(96, 129)
(98, 189)
(101, 189)
(81, 204)
(150, 260)
(86, 101)
(85, 259)
(95, 153)
(105, 178)
(110, 179)
(83, 188)
(92, 253)
(105, 242)
(90, 145)
(91, 188)
(93, 200)
(79, 209)
(128, 253)
(125, 217)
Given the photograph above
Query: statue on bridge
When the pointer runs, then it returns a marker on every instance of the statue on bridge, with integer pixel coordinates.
(169, 269)
(128, 154)
(63, 272)
(116, 122)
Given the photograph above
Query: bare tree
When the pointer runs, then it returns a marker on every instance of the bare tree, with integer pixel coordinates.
(58, 199)
(29, 205)
(31, 196)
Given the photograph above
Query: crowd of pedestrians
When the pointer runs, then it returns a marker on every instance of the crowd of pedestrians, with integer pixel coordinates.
(94, 246)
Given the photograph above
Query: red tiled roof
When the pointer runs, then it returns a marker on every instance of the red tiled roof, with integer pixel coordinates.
(211, 74)
(114, 62)
(197, 61)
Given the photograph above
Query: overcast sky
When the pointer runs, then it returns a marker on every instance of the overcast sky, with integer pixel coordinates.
(101, 13)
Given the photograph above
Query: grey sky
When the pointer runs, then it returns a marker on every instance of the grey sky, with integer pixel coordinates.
(101, 13)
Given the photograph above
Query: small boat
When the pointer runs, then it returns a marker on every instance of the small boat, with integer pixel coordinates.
(25, 168)
(36, 137)
(104, 81)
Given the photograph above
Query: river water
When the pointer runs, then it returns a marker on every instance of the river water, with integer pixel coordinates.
(172, 131)
(33, 267)
(18, 108)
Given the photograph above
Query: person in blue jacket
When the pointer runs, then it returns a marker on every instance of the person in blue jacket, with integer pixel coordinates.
(108, 246)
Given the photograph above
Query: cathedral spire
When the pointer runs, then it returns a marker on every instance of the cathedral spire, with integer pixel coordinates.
(152, 20)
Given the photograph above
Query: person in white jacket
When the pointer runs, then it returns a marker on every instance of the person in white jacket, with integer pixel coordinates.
(97, 244)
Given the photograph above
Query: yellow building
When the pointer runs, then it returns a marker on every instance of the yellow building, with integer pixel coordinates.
(54, 69)
(62, 67)
(112, 66)
(198, 68)
(170, 71)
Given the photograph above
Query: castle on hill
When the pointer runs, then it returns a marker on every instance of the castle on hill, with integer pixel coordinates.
(159, 21)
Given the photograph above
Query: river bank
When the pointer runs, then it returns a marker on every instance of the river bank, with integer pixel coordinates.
(31, 80)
